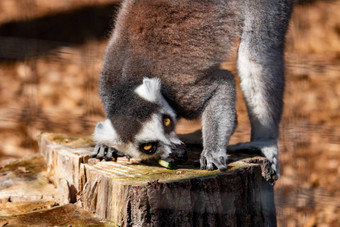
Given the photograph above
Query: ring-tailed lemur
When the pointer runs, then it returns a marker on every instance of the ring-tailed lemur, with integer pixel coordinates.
(177, 47)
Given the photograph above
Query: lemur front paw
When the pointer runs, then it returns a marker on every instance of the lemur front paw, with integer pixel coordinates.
(213, 159)
(100, 151)
(268, 149)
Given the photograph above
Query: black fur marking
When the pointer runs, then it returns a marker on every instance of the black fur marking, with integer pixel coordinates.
(127, 111)
(168, 129)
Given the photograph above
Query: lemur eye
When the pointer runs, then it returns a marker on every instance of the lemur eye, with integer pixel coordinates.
(167, 121)
(168, 124)
(148, 148)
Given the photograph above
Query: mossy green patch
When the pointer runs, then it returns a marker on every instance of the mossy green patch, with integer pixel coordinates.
(141, 174)
(27, 166)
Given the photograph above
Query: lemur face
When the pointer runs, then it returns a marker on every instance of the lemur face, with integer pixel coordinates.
(146, 129)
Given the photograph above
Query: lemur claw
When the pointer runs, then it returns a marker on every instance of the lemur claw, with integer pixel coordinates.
(95, 151)
(211, 160)
(102, 151)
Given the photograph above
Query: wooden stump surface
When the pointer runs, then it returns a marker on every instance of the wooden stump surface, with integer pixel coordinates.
(130, 193)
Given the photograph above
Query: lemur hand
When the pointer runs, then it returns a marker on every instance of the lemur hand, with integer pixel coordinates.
(100, 151)
(210, 159)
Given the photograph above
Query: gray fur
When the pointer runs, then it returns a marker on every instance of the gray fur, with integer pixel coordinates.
(261, 69)
(182, 42)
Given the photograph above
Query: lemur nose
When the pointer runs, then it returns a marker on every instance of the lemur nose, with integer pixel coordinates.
(179, 153)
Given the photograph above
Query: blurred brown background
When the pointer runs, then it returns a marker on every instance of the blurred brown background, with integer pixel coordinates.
(50, 59)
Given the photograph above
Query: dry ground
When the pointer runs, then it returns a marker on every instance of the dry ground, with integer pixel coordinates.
(50, 58)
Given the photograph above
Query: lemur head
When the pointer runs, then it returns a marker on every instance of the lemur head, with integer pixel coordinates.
(140, 123)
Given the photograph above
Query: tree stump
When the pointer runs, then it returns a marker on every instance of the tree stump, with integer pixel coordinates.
(28, 198)
(130, 193)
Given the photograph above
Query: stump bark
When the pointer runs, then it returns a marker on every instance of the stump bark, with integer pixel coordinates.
(130, 193)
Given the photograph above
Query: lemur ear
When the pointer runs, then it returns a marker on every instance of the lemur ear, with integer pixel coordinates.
(150, 90)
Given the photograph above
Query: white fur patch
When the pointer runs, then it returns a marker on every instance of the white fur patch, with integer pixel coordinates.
(130, 150)
(150, 90)
(105, 133)
(252, 86)
(153, 131)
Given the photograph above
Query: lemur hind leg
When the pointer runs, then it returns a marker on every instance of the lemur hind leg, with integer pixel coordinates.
(218, 122)
(261, 69)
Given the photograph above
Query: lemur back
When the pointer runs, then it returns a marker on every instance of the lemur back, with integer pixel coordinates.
(178, 41)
